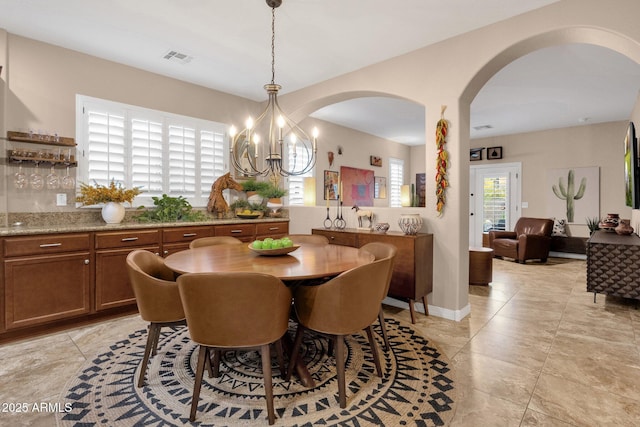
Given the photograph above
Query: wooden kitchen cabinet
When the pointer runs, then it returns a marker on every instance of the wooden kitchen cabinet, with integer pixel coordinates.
(413, 268)
(112, 286)
(276, 230)
(178, 238)
(46, 278)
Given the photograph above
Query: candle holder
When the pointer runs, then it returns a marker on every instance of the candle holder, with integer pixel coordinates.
(327, 222)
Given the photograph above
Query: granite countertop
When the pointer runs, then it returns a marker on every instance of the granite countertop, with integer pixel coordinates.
(71, 227)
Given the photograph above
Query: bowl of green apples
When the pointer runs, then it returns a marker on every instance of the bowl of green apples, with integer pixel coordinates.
(273, 247)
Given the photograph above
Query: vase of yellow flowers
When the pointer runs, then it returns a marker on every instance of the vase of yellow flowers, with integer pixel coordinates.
(112, 196)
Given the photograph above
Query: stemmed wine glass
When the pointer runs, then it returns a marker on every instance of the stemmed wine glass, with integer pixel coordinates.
(68, 182)
(35, 179)
(53, 180)
(20, 178)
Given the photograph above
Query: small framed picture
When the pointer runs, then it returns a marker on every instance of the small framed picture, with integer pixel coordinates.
(331, 185)
(494, 153)
(375, 161)
(379, 187)
(475, 154)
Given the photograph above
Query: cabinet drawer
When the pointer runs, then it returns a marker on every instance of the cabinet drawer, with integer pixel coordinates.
(39, 245)
(185, 234)
(338, 238)
(236, 230)
(272, 228)
(121, 239)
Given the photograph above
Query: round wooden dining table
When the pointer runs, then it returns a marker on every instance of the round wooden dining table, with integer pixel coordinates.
(307, 262)
(301, 266)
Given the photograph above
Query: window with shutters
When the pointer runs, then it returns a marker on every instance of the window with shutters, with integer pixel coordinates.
(160, 152)
(296, 183)
(396, 179)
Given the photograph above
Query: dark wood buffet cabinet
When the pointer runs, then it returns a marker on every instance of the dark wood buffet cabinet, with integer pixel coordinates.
(53, 281)
(413, 269)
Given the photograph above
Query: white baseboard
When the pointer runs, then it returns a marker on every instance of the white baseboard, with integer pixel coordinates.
(445, 313)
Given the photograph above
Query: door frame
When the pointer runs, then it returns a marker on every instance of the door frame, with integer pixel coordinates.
(514, 169)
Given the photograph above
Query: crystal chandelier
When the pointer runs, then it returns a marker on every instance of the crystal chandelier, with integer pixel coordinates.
(277, 130)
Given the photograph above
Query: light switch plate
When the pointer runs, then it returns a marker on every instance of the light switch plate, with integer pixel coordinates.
(61, 199)
(525, 205)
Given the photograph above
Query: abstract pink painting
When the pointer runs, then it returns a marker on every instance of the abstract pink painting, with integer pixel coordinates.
(357, 185)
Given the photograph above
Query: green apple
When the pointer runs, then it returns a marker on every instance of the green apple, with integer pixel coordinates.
(266, 244)
(276, 244)
(287, 243)
(257, 244)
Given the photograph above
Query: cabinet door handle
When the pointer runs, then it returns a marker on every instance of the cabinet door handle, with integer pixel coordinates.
(129, 239)
(333, 237)
(236, 231)
(86, 262)
(274, 228)
(165, 253)
(50, 245)
(189, 234)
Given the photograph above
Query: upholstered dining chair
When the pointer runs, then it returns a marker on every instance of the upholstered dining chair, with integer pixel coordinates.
(215, 240)
(157, 297)
(316, 239)
(235, 311)
(382, 250)
(344, 305)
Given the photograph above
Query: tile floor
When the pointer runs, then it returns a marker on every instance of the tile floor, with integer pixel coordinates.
(535, 351)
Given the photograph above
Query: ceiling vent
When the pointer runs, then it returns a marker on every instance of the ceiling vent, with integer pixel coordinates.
(483, 127)
(175, 56)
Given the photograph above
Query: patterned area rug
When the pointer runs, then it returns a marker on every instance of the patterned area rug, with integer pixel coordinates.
(417, 387)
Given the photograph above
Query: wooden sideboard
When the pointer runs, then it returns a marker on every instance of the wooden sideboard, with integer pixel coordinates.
(413, 269)
(612, 265)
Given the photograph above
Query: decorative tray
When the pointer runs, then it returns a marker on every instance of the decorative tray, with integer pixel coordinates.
(248, 216)
(274, 252)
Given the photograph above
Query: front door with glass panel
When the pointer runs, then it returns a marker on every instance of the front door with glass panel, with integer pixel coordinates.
(494, 199)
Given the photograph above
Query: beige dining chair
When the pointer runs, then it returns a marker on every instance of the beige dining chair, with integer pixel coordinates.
(344, 305)
(215, 240)
(157, 297)
(316, 239)
(381, 251)
(235, 311)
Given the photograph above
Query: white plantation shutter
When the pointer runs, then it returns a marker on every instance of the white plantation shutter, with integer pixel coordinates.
(146, 156)
(160, 152)
(106, 150)
(396, 179)
(296, 183)
(212, 155)
(182, 161)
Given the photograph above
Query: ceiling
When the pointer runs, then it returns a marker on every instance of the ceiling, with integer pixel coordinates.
(227, 48)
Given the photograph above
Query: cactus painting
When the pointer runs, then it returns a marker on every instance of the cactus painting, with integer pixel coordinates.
(569, 193)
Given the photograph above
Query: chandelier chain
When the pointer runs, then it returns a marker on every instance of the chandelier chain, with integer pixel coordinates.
(273, 45)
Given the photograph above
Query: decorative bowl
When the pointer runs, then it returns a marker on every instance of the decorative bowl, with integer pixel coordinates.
(381, 227)
(274, 252)
(248, 216)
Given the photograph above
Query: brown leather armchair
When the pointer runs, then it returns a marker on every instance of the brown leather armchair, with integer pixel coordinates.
(157, 297)
(344, 305)
(235, 311)
(530, 239)
(215, 240)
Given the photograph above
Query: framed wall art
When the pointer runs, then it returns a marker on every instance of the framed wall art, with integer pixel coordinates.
(380, 187)
(494, 153)
(357, 185)
(475, 154)
(331, 185)
(421, 187)
(375, 161)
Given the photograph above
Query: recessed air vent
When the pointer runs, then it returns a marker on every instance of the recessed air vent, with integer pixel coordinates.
(483, 127)
(179, 57)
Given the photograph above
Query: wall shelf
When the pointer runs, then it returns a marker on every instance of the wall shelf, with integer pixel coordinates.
(41, 139)
(18, 159)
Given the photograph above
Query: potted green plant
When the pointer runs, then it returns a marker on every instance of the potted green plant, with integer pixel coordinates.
(272, 193)
(171, 209)
(593, 224)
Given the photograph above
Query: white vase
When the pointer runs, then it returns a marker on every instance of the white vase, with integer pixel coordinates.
(113, 213)
(410, 223)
